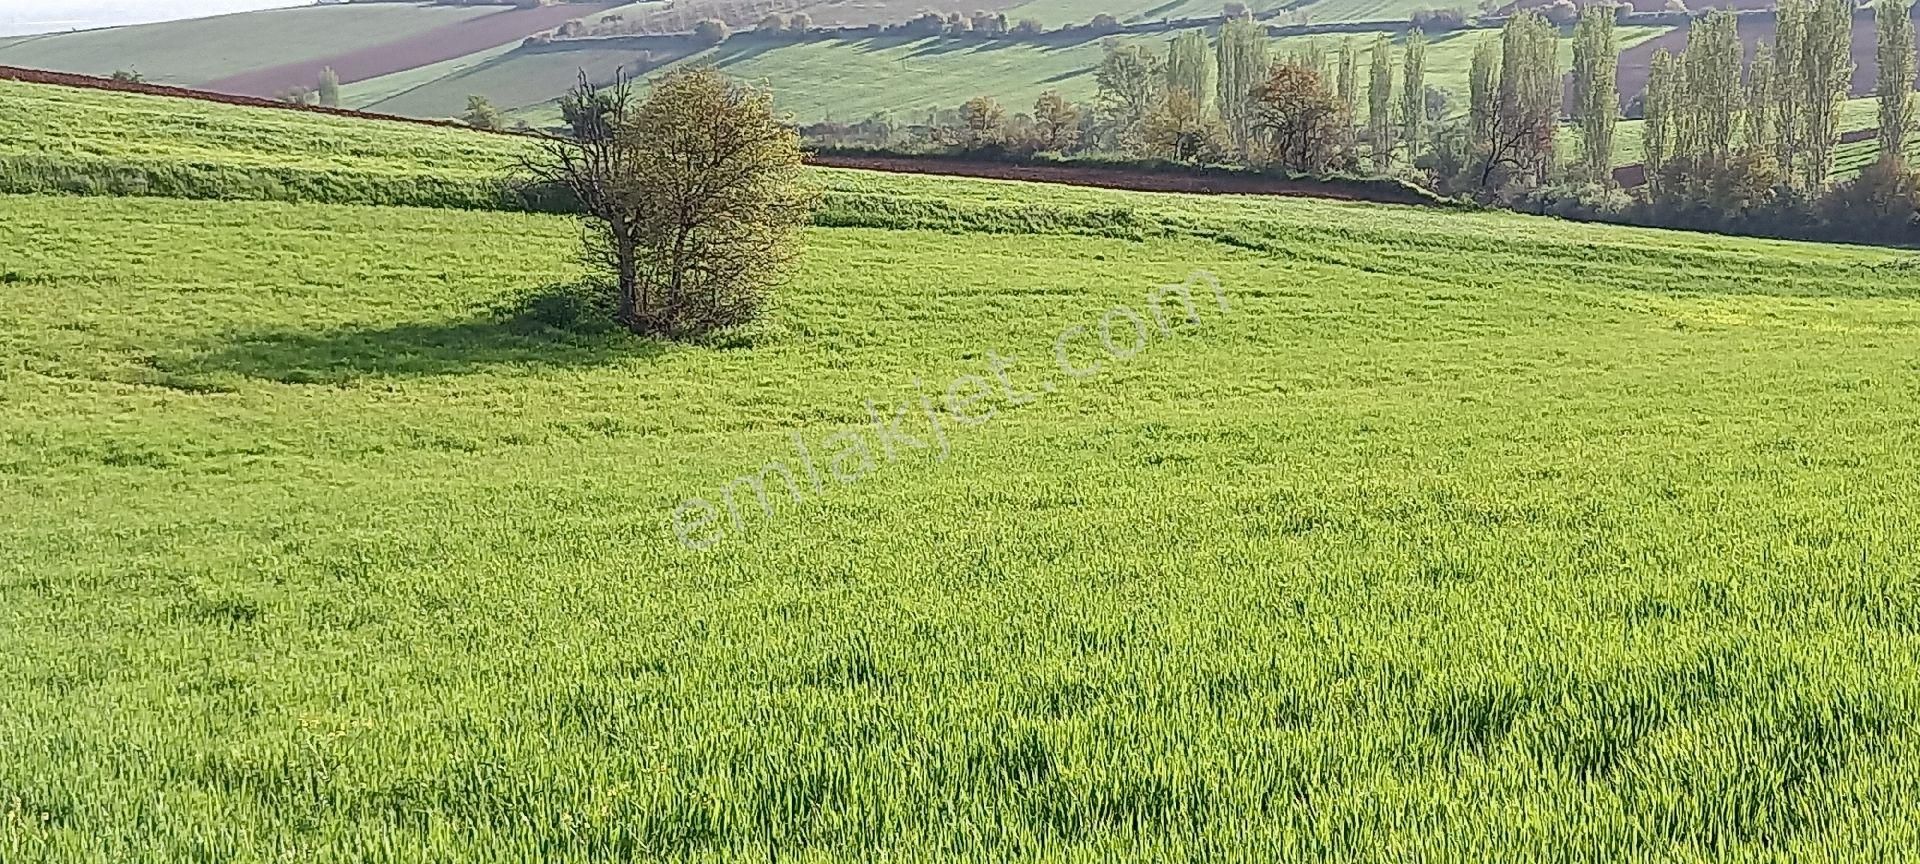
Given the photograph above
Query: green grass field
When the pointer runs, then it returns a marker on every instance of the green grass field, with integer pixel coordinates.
(369, 94)
(77, 140)
(511, 80)
(71, 123)
(1452, 536)
(205, 49)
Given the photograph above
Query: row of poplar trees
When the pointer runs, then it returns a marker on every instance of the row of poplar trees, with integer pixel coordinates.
(1781, 122)
(1719, 135)
(1253, 99)
(1718, 132)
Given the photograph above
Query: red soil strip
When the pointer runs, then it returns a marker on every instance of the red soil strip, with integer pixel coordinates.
(423, 49)
(1105, 178)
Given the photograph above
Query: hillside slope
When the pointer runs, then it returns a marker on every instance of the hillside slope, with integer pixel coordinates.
(851, 79)
(200, 50)
(90, 141)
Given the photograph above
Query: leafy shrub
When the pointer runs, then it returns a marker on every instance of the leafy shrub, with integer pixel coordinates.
(710, 31)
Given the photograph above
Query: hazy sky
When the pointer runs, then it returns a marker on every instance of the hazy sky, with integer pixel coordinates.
(43, 16)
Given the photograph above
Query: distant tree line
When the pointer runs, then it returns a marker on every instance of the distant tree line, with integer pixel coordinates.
(771, 19)
(1727, 146)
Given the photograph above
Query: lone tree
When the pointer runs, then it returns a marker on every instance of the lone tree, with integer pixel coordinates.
(1178, 128)
(692, 198)
(1056, 123)
(1298, 117)
(983, 123)
(481, 114)
(329, 88)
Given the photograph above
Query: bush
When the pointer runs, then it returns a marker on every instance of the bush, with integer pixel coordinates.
(924, 24)
(1882, 205)
(1586, 201)
(1561, 12)
(710, 31)
(1104, 23)
(482, 115)
(686, 257)
(1438, 20)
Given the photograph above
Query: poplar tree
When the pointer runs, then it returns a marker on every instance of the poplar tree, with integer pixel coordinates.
(1759, 128)
(1126, 86)
(1529, 99)
(1514, 88)
(1413, 92)
(1713, 93)
(329, 90)
(1657, 133)
(1827, 69)
(1380, 103)
(1596, 92)
(1789, 86)
(1347, 90)
(1483, 81)
(1189, 69)
(1893, 23)
(1242, 62)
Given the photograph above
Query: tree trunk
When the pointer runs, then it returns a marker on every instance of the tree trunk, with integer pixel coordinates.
(629, 282)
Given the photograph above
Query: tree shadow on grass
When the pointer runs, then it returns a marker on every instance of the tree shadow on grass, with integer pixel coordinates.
(1070, 73)
(542, 330)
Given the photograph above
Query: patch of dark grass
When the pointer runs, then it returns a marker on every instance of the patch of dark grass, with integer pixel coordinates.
(555, 326)
(585, 308)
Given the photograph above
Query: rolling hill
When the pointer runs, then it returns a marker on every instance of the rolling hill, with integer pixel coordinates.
(853, 78)
(198, 51)
(425, 61)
